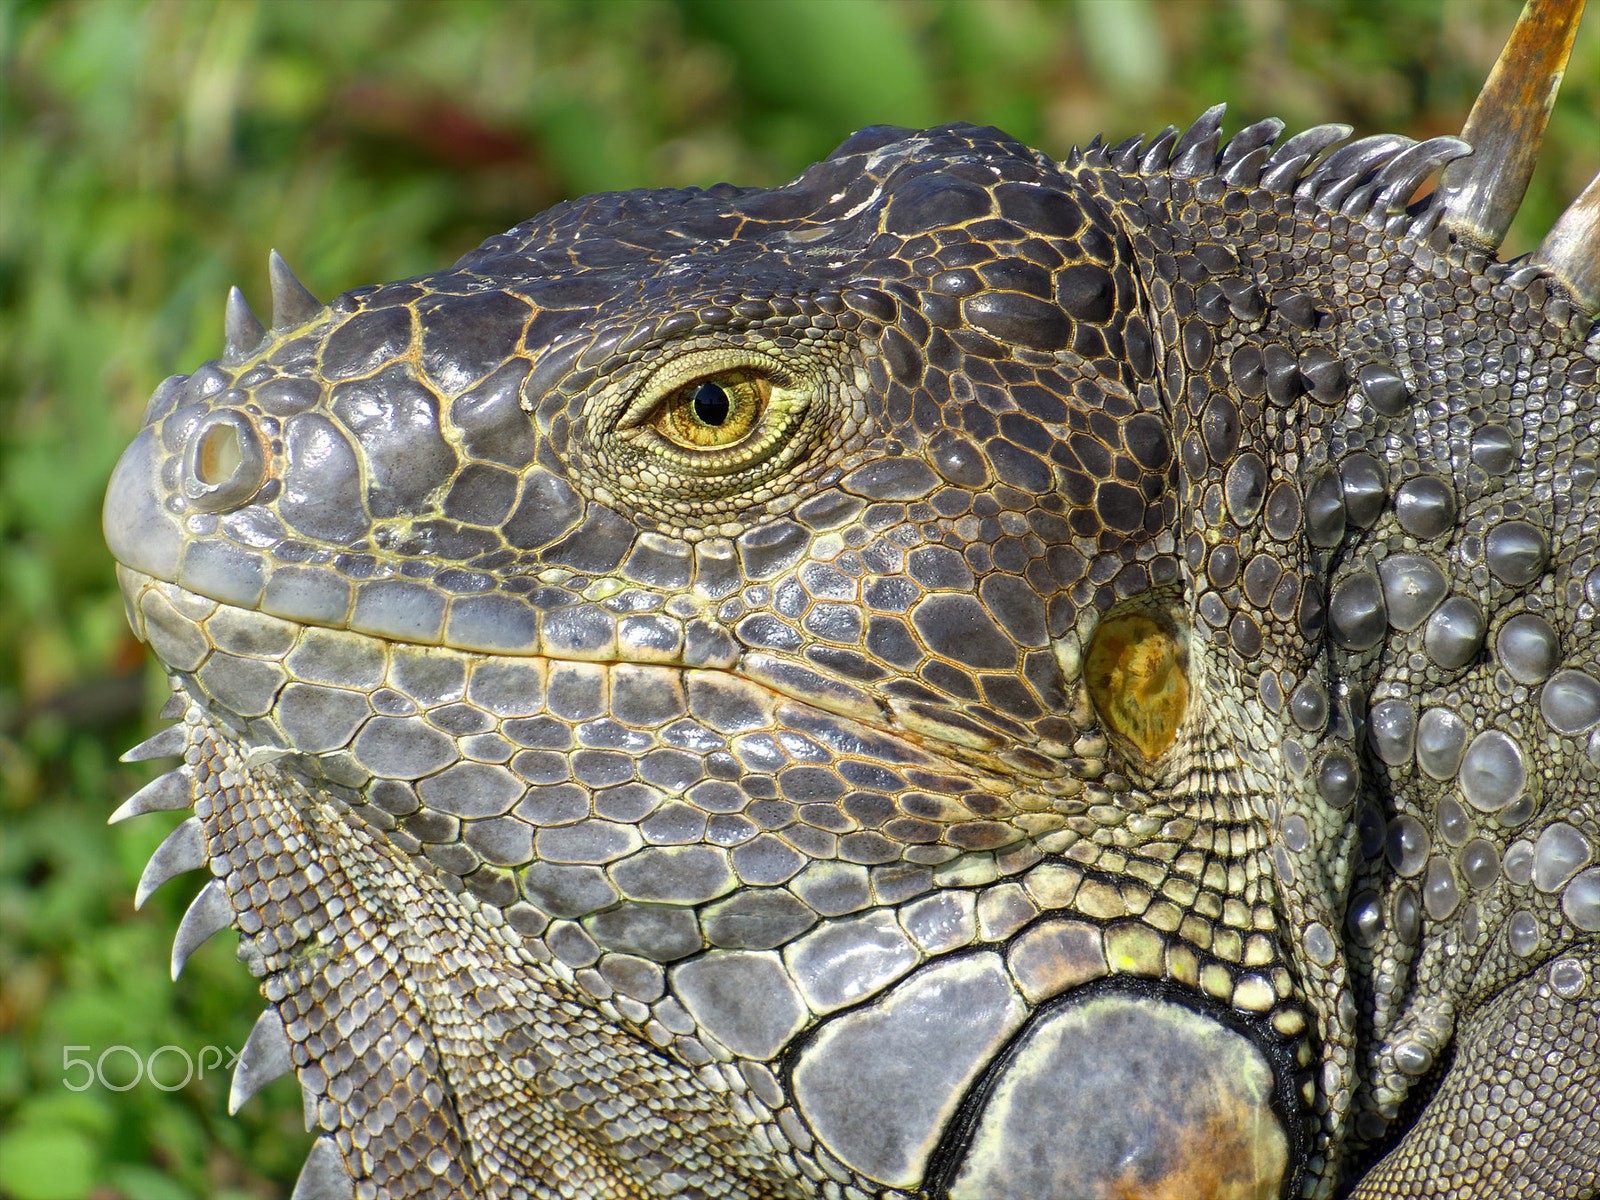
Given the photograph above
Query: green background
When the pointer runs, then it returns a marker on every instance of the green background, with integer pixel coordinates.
(151, 153)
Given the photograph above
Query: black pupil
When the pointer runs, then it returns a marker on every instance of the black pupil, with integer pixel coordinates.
(710, 404)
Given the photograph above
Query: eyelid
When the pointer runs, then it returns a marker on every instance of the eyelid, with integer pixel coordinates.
(664, 382)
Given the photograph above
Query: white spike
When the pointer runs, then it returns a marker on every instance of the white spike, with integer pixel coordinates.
(1195, 152)
(184, 850)
(169, 743)
(260, 756)
(1343, 169)
(1157, 155)
(1249, 140)
(1246, 170)
(1309, 143)
(292, 304)
(172, 792)
(265, 1057)
(324, 1176)
(241, 327)
(1571, 250)
(1280, 174)
(1404, 173)
(210, 913)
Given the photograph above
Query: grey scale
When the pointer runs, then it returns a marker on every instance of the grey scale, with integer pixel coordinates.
(635, 691)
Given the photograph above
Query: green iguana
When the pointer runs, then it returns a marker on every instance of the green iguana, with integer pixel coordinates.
(965, 675)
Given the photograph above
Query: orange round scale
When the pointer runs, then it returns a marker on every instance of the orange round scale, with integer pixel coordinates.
(1138, 679)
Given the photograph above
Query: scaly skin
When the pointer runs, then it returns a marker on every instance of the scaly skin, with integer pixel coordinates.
(964, 675)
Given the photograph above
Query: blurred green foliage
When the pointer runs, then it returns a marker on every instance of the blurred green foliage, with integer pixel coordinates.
(150, 153)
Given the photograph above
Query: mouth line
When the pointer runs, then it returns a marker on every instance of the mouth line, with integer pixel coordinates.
(692, 644)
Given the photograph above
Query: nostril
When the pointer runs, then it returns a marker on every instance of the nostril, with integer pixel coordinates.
(218, 457)
(224, 462)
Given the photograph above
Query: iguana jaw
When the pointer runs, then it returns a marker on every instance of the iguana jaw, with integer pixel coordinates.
(363, 883)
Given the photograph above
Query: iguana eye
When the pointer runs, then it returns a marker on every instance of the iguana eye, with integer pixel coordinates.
(733, 414)
(713, 413)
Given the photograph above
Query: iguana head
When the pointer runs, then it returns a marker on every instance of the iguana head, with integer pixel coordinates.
(958, 673)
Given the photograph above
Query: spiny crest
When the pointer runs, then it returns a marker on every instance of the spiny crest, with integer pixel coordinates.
(1485, 174)
(1485, 171)
(292, 304)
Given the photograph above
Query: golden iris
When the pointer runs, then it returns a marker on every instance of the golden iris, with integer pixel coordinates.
(713, 412)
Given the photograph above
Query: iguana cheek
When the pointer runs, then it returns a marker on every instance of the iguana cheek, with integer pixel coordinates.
(1130, 1097)
(140, 530)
